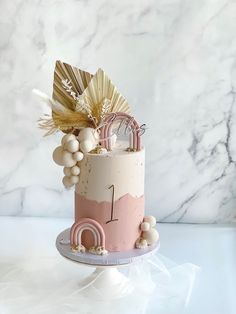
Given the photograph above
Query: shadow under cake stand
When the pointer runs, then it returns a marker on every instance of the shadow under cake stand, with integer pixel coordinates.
(107, 280)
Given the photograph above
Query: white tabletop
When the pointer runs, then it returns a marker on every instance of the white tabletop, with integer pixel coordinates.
(212, 247)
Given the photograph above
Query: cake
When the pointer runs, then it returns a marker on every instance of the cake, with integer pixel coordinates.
(103, 159)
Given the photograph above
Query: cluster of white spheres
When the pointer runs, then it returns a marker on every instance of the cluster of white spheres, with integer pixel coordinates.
(72, 151)
(149, 233)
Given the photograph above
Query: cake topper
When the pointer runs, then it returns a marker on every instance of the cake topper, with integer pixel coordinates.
(131, 124)
(81, 100)
(88, 108)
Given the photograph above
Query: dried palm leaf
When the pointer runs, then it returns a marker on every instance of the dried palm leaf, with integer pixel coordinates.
(99, 92)
(78, 79)
(81, 99)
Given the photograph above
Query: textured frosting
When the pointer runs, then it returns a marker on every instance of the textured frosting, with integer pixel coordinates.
(120, 234)
(123, 169)
(93, 197)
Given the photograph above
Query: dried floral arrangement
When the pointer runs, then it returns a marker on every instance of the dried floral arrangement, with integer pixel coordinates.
(81, 100)
(86, 107)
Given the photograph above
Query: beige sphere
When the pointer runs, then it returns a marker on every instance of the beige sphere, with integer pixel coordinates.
(67, 138)
(67, 159)
(67, 171)
(75, 171)
(141, 243)
(88, 134)
(86, 146)
(145, 226)
(72, 146)
(78, 156)
(67, 182)
(74, 179)
(102, 150)
(151, 220)
(151, 236)
(57, 156)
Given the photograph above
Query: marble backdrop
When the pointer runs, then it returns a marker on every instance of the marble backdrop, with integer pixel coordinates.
(175, 62)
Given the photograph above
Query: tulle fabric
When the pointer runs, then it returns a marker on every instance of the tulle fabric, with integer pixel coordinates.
(55, 285)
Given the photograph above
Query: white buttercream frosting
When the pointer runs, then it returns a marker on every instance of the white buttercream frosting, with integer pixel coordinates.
(124, 170)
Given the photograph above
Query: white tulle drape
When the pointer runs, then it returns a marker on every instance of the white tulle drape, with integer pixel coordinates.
(55, 285)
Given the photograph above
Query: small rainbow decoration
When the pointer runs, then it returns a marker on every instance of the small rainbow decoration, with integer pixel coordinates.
(87, 224)
(106, 130)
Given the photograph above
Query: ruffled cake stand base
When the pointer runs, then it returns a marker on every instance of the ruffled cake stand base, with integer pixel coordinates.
(106, 282)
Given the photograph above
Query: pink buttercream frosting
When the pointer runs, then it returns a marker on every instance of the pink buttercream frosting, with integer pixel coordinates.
(121, 233)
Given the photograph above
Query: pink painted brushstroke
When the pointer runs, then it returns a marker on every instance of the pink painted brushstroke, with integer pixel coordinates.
(120, 235)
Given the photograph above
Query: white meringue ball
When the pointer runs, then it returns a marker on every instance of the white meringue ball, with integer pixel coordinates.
(141, 243)
(75, 171)
(151, 236)
(67, 138)
(67, 182)
(57, 155)
(102, 150)
(72, 146)
(74, 179)
(151, 219)
(67, 171)
(88, 134)
(86, 146)
(78, 156)
(145, 226)
(67, 159)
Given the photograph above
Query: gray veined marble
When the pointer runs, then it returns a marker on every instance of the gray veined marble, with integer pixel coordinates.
(174, 60)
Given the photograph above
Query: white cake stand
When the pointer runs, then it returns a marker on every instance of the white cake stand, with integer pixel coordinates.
(106, 282)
